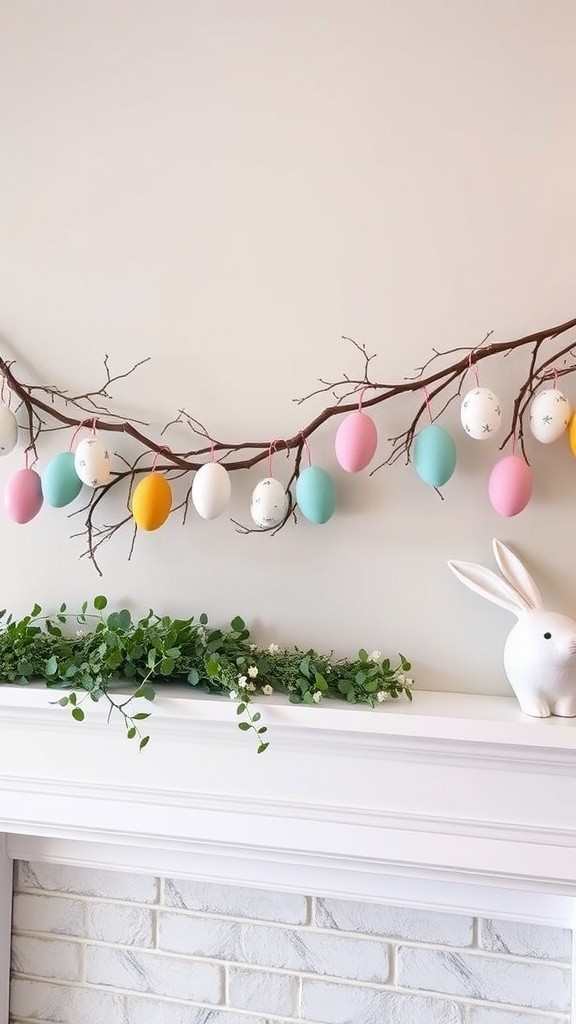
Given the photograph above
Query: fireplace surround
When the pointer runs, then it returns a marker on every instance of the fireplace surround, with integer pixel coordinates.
(454, 803)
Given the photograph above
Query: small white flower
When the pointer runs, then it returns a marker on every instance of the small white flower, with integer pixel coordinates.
(408, 682)
(233, 695)
(201, 633)
(401, 679)
(317, 697)
(251, 687)
(80, 632)
(253, 647)
(382, 696)
(267, 689)
(273, 649)
(252, 671)
(375, 656)
(242, 680)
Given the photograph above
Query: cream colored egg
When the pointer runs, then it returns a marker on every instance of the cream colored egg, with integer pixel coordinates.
(211, 490)
(92, 462)
(480, 414)
(269, 504)
(550, 414)
(8, 430)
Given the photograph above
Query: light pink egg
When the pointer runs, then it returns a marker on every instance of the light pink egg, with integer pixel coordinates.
(356, 441)
(510, 485)
(23, 495)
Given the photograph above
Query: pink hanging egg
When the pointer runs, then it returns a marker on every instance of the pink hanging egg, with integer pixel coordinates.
(510, 485)
(356, 441)
(23, 495)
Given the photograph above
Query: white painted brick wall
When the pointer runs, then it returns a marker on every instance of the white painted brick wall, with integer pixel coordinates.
(100, 947)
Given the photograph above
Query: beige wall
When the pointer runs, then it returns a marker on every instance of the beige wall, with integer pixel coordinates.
(228, 188)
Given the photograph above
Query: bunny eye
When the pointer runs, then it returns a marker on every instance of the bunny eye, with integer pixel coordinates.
(547, 636)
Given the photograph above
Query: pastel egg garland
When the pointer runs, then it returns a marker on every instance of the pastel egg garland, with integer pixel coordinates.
(550, 415)
(92, 462)
(23, 497)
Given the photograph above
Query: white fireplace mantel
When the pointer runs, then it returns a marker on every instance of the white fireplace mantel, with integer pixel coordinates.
(455, 802)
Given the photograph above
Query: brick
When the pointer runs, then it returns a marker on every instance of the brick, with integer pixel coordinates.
(522, 939)
(60, 1004)
(263, 991)
(395, 922)
(123, 925)
(488, 1015)
(234, 901)
(284, 948)
(118, 885)
(46, 958)
(52, 914)
(329, 1003)
(531, 985)
(158, 975)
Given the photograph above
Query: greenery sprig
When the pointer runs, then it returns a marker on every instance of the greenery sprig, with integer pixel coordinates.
(89, 653)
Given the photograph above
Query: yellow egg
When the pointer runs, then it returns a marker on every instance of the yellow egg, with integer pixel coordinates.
(572, 433)
(151, 502)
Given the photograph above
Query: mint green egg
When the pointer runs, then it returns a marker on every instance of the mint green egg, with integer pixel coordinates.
(60, 482)
(316, 494)
(434, 455)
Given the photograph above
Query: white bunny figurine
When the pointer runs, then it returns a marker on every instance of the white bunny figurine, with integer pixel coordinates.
(540, 652)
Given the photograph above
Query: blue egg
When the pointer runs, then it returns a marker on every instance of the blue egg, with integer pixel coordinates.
(434, 455)
(316, 494)
(60, 482)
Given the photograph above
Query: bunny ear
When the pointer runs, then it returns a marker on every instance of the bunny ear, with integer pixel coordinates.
(516, 573)
(486, 583)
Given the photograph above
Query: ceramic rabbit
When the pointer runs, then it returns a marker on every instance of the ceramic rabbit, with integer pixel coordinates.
(540, 652)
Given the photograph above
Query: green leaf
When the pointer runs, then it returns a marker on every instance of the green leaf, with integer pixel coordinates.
(362, 655)
(371, 686)
(84, 607)
(62, 609)
(244, 726)
(144, 741)
(63, 701)
(240, 709)
(262, 747)
(203, 620)
(78, 714)
(305, 667)
(173, 652)
(167, 666)
(256, 717)
(151, 659)
(193, 677)
(321, 683)
(307, 697)
(36, 611)
(51, 666)
(360, 678)
(238, 624)
(141, 716)
(100, 603)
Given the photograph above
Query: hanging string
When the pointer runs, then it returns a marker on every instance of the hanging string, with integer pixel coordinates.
(271, 451)
(162, 448)
(212, 452)
(27, 450)
(427, 402)
(84, 423)
(361, 397)
(473, 367)
(307, 447)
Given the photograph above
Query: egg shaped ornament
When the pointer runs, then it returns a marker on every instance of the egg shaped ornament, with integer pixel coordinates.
(211, 490)
(151, 502)
(92, 462)
(269, 503)
(481, 414)
(550, 414)
(356, 441)
(510, 485)
(8, 430)
(316, 494)
(23, 496)
(60, 481)
(434, 455)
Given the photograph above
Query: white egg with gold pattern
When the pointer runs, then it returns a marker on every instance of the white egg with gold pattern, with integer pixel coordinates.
(481, 414)
(550, 414)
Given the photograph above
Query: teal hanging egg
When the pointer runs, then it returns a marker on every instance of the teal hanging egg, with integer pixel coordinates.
(434, 455)
(60, 481)
(316, 494)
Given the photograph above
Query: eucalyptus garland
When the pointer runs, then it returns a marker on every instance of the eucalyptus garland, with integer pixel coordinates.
(89, 653)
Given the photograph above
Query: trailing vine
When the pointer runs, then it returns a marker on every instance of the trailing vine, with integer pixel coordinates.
(91, 653)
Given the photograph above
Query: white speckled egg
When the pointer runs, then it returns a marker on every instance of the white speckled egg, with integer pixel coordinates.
(480, 414)
(92, 462)
(8, 430)
(550, 414)
(211, 490)
(269, 503)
